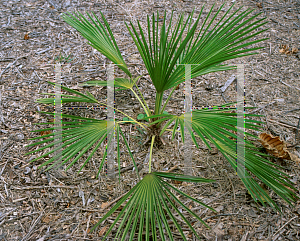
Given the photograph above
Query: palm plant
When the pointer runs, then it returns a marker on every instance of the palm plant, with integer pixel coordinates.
(164, 51)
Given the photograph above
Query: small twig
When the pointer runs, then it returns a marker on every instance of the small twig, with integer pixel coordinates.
(7, 149)
(87, 226)
(5, 214)
(1, 115)
(283, 226)
(3, 167)
(32, 227)
(18, 217)
(297, 131)
(88, 210)
(225, 214)
(112, 202)
(222, 94)
(127, 168)
(293, 87)
(11, 64)
(56, 179)
(260, 108)
(231, 185)
(173, 168)
(162, 140)
(284, 124)
(228, 82)
(76, 229)
(20, 199)
(43, 51)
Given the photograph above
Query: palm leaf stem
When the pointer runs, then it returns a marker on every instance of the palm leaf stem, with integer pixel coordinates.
(152, 142)
(149, 112)
(158, 101)
(169, 97)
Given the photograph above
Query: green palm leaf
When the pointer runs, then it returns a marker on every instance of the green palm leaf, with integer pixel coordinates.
(88, 98)
(216, 127)
(160, 55)
(227, 40)
(78, 137)
(149, 204)
(99, 36)
(122, 83)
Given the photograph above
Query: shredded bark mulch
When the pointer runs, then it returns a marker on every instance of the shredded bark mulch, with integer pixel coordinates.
(39, 205)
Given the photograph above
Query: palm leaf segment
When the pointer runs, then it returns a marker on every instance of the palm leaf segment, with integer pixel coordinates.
(121, 83)
(99, 36)
(218, 127)
(78, 137)
(149, 205)
(88, 98)
(206, 50)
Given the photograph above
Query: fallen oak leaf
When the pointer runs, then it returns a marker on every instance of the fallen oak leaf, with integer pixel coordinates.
(276, 147)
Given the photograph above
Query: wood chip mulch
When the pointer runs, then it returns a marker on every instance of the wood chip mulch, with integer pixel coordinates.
(38, 205)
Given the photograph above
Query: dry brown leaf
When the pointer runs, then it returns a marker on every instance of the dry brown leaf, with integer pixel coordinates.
(102, 231)
(295, 158)
(43, 133)
(104, 205)
(275, 146)
(26, 36)
(177, 182)
(294, 50)
(282, 51)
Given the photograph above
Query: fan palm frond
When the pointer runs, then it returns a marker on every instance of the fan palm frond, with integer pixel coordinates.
(218, 127)
(78, 137)
(99, 36)
(88, 98)
(150, 204)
